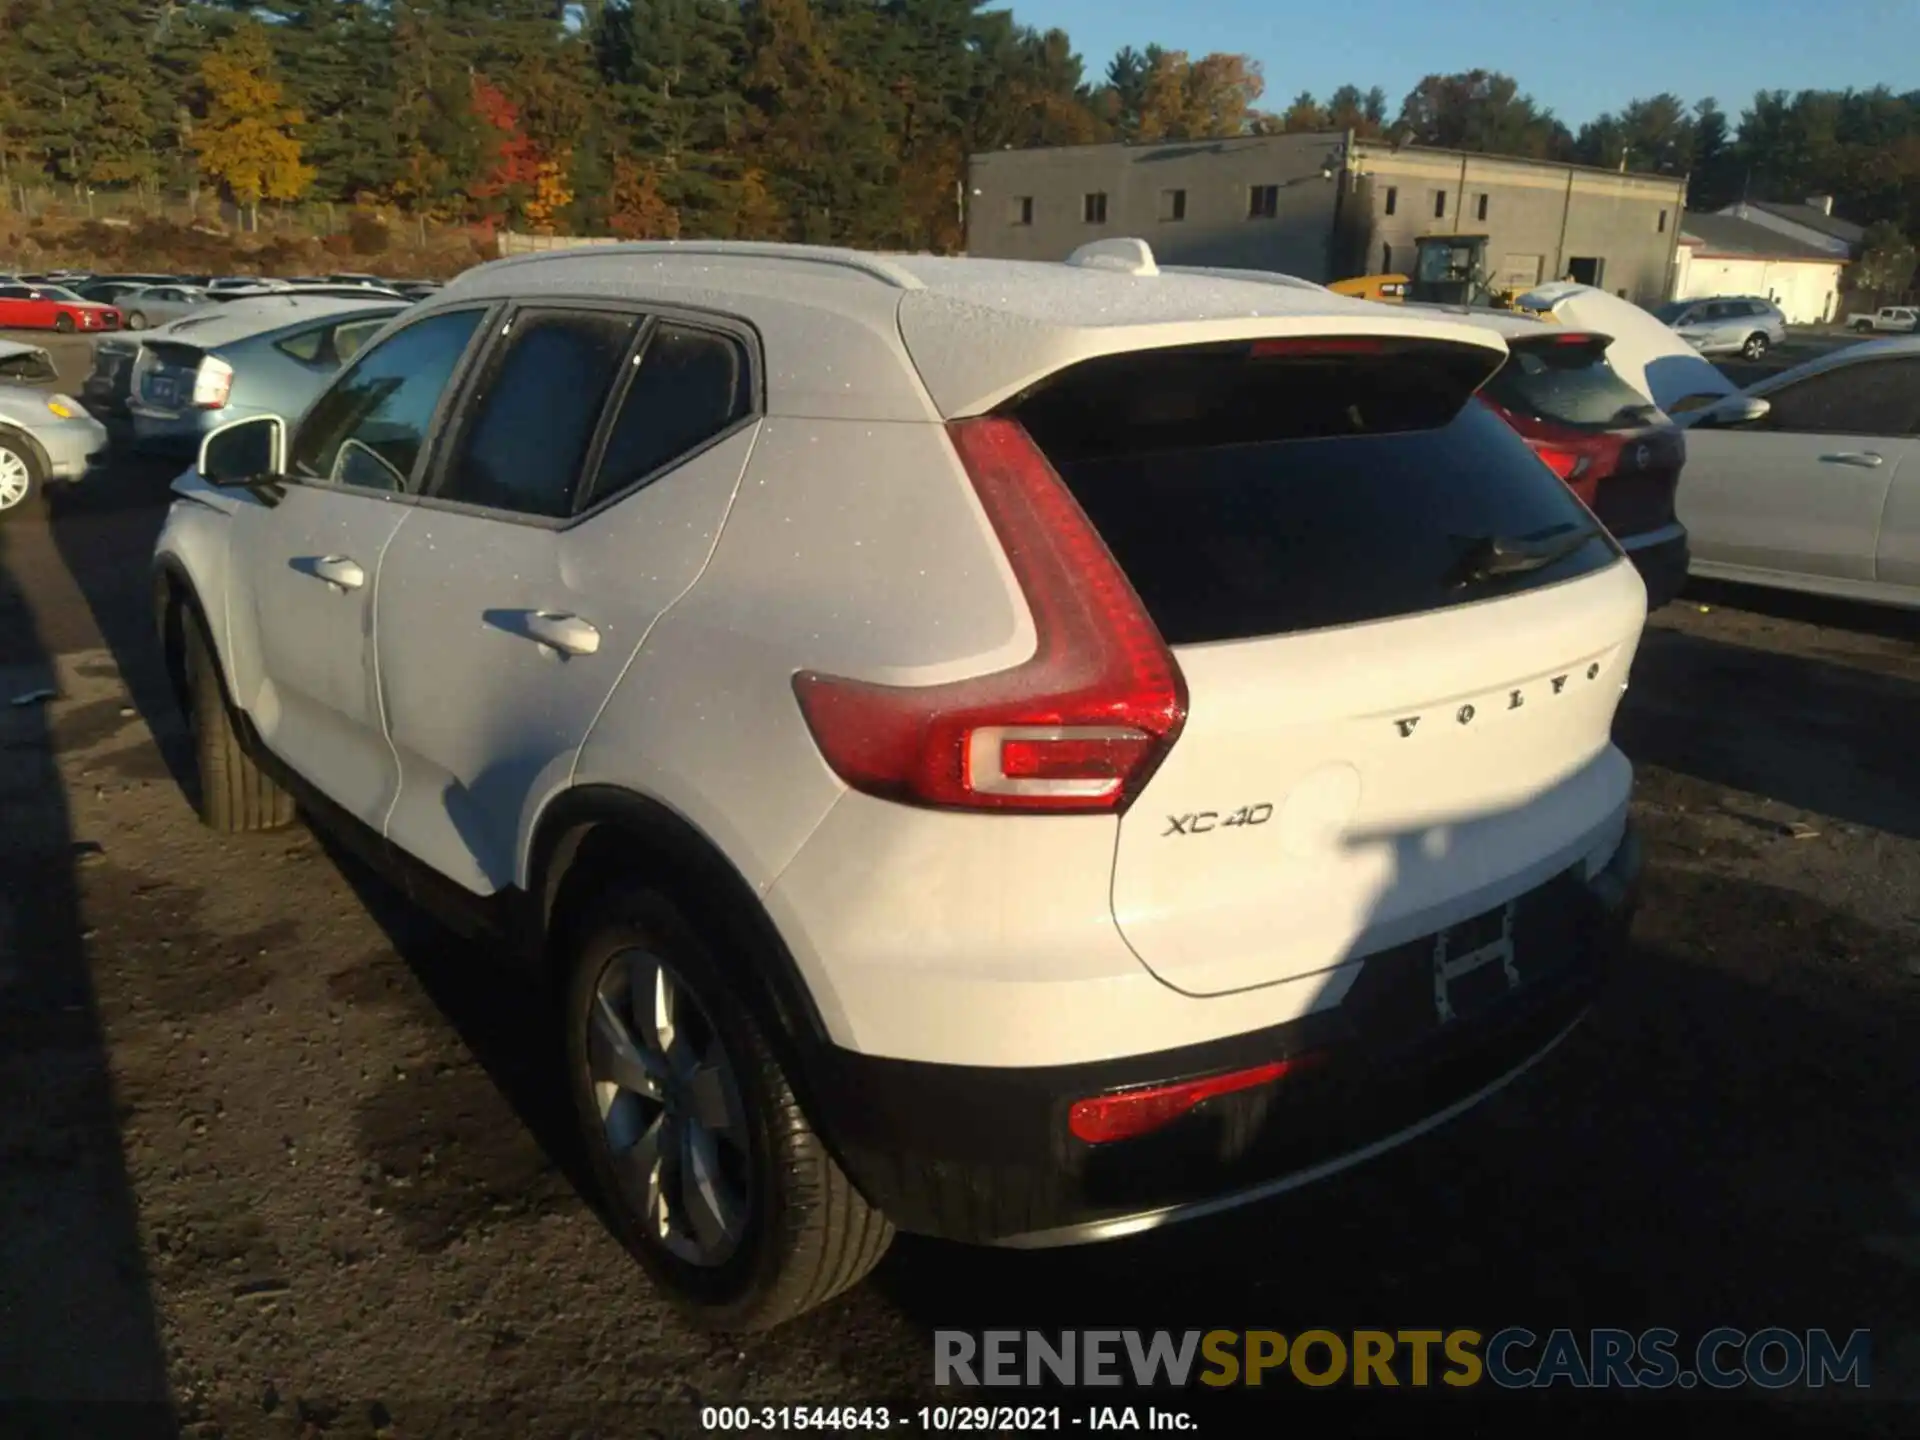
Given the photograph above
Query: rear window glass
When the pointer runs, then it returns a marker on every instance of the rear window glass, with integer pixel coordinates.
(1568, 383)
(1308, 494)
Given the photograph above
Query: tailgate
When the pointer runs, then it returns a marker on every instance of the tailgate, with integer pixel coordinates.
(1403, 642)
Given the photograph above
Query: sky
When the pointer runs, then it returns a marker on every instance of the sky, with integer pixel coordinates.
(1577, 57)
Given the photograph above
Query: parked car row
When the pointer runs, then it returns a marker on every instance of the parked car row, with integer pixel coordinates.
(135, 302)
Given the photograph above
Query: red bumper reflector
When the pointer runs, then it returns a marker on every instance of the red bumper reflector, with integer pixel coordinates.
(1127, 1113)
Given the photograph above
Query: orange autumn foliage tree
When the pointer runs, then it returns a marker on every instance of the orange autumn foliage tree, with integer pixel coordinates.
(507, 185)
(637, 209)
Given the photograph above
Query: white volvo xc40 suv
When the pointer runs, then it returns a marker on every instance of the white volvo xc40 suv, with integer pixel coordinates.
(1010, 751)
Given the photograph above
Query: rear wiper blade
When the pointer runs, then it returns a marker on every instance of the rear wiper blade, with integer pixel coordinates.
(1490, 557)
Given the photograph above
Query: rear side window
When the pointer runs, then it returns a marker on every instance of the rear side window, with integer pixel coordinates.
(691, 385)
(535, 411)
(1567, 384)
(1250, 496)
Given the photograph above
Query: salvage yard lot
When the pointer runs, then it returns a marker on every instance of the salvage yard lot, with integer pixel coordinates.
(282, 1153)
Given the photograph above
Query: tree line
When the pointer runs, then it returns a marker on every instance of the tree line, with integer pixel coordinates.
(840, 120)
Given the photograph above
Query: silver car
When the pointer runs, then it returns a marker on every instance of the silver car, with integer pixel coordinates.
(159, 304)
(265, 356)
(44, 435)
(1810, 480)
(1742, 325)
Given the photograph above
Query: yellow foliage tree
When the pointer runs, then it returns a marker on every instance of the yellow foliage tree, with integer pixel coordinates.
(551, 193)
(245, 140)
(1200, 99)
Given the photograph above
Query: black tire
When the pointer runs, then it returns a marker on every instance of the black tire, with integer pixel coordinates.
(136, 321)
(63, 323)
(808, 1234)
(234, 795)
(16, 457)
(1861, 327)
(1754, 347)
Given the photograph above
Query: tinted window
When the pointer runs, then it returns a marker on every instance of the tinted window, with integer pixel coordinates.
(304, 345)
(348, 339)
(537, 406)
(1570, 384)
(1874, 397)
(15, 292)
(384, 405)
(1358, 489)
(691, 385)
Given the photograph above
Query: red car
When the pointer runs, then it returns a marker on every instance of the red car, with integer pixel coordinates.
(50, 307)
(1613, 447)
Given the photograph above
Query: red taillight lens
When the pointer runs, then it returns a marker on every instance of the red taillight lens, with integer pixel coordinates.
(1568, 464)
(1127, 1113)
(1079, 726)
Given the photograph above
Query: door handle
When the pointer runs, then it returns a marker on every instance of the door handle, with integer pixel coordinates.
(337, 570)
(1865, 458)
(568, 634)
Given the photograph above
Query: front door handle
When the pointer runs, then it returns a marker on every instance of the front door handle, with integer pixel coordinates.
(1864, 458)
(337, 570)
(568, 634)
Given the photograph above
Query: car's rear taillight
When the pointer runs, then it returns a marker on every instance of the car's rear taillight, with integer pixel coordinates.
(1081, 725)
(212, 384)
(1566, 462)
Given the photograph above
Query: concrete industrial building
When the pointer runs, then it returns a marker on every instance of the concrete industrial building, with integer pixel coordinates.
(1324, 206)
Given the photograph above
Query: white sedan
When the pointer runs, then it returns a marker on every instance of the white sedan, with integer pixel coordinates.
(1810, 479)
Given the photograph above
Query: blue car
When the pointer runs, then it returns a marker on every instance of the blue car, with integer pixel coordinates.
(265, 356)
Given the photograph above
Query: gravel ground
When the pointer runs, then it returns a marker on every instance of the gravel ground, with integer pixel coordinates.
(282, 1157)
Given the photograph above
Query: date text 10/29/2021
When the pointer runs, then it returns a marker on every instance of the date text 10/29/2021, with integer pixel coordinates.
(942, 1419)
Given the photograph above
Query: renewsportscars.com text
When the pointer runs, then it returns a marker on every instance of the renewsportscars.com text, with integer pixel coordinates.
(1513, 1358)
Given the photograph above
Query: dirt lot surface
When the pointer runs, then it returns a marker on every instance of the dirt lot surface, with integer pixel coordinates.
(280, 1157)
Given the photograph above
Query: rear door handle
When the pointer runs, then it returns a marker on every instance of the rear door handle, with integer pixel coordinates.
(568, 634)
(1865, 458)
(337, 570)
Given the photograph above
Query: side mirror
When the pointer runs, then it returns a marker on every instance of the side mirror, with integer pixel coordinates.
(244, 452)
(1734, 411)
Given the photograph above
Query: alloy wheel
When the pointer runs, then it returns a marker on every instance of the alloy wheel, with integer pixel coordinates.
(15, 479)
(670, 1110)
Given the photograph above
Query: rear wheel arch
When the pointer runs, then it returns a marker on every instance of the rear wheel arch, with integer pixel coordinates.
(596, 835)
(175, 598)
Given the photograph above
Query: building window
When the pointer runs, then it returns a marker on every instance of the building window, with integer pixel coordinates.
(1094, 208)
(1393, 199)
(1439, 204)
(1173, 204)
(1480, 208)
(1020, 210)
(1263, 202)
(1386, 259)
(1662, 226)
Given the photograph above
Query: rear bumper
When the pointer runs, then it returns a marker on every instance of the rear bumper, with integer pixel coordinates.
(984, 1154)
(169, 430)
(1661, 556)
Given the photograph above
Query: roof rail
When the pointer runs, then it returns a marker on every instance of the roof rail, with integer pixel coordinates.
(873, 266)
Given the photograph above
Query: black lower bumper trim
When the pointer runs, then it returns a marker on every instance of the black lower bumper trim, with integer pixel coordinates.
(984, 1154)
(1664, 569)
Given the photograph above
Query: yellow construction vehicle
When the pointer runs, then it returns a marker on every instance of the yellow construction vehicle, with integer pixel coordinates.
(1447, 270)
